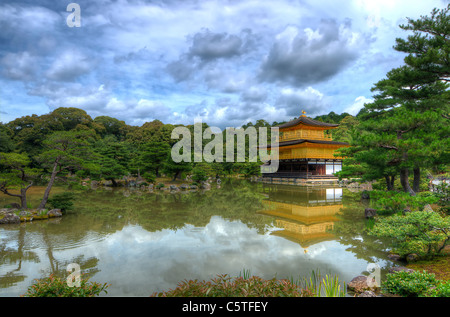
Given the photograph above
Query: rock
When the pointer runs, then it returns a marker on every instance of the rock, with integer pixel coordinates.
(8, 218)
(365, 194)
(24, 213)
(173, 187)
(107, 183)
(205, 185)
(394, 257)
(360, 284)
(193, 187)
(400, 269)
(407, 209)
(412, 257)
(367, 294)
(428, 208)
(370, 212)
(184, 186)
(54, 213)
(16, 206)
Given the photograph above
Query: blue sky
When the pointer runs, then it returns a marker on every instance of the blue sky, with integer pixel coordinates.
(223, 62)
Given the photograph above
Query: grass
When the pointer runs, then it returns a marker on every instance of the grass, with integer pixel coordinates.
(439, 265)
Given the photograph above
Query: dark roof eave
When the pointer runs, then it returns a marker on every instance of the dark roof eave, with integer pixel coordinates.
(300, 141)
(307, 121)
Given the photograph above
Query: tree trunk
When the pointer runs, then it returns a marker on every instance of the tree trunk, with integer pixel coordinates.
(389, 182)
(404, 180)
(23, 197)
(50, 184)
(416, 181)
(176, 176)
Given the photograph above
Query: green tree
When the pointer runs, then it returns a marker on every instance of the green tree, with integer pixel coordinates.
(65, 151)
(406, 127)
(428, 48)
(113, 158)
(15, 173)
(6, 142)
(152, 156)
(176, 168)
(422, 232)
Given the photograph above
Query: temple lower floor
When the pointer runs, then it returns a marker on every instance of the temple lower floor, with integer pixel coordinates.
(307, 168)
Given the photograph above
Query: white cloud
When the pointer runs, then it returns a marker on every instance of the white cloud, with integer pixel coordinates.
(357, 105)
(178, 60)
(69, 66)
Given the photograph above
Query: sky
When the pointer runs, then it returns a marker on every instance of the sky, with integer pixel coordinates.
(225, 63)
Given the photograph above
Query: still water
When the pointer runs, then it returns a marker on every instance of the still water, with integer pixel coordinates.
(142, 242)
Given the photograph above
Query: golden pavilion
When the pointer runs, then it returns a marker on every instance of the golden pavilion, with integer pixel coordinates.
(306, 151)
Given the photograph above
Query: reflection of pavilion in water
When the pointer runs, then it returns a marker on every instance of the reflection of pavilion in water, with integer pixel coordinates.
(305, 214)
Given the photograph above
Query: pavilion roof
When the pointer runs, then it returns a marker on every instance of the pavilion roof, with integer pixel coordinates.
(300, 141)
(307, 121)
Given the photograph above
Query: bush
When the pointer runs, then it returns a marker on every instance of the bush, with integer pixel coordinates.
(392, 202)
(409, 284)
(441, 290)
(421, 232)
(199, 175)
(149, 177)
(63, 201)
(254, 286)
(53, 286)
(226, 286)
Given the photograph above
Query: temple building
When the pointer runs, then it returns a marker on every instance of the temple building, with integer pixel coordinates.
(306, 151)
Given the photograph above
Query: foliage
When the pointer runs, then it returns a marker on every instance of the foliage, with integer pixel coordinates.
(149, 177)
(422, 232)
(63, 201)
(199, 174)
(254, 286)
(252, 169)
(410, 284)
(53, 286)
(416, 284)
(392, 202)
(406, 127)
(16, 173)
(440, 290)
(226, 286)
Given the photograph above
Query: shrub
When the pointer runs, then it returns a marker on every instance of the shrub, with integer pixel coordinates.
(63, 201)
(254, 286)
(53, 286)
(415, 284)
(420, 232)
(441, 290)
(160, 185)
(199, 175)
(149, 177)
(226, 286)
(392, 202)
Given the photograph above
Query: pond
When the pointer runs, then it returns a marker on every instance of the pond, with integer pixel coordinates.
(142, 242)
